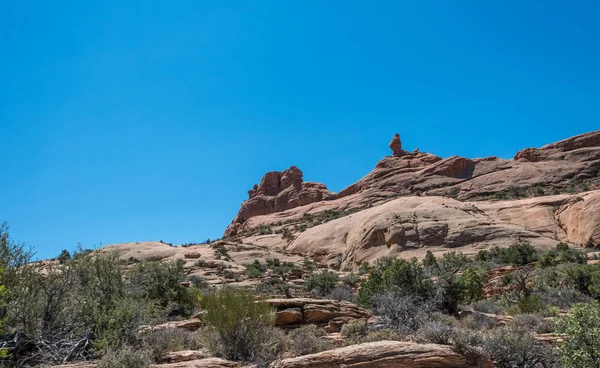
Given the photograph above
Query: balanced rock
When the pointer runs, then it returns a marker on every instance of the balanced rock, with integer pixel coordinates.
(396, 146)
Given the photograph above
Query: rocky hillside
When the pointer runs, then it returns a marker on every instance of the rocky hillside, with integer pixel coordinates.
(415, 201)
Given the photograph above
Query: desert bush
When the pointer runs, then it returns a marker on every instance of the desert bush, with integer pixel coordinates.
(355, 330)
(435, 332)
(321, 283)
(160, 342)
(478, 321)
(220, 251)
(511, 347)
(385, 334)
(127, 357)
(532, 322)
(162, 282)
(463, 341)
(240, 328)
(117, 326)
(453, 289)
(351, 279)
(581, 345)
(398, 276)
(308, 339)
(64, 256)
(341, 293)
(516, 254)
(490, 305)
(528, 304)
(255, 270)
(563, 297)
(562, 254)
(402, 313)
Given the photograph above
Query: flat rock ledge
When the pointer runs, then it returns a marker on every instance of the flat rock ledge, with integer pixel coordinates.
(387, 354)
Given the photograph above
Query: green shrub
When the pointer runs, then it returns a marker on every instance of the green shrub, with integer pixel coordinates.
(255, 270)
(64, 256)
(321, 283)
(127, 357)
(162, 282)
(529, 304)
(220, 251)
(308, 339)
(582, 341)
(117, 326)
(517, 254)
(562, 254)
(239, 328)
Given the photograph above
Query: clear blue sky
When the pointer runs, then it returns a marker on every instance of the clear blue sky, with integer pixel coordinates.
(150, 120)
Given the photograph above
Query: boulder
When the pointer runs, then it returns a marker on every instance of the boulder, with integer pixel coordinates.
(318, 311)
(288, 316)
(387, 354)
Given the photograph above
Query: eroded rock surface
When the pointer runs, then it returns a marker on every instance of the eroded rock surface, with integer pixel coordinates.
(278, 191)
(386, 354)
(332, 313)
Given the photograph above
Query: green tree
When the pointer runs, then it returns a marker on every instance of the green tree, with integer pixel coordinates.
(2, 292)
(581, 346)
(399, 276)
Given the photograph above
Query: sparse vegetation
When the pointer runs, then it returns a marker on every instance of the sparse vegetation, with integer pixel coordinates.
(127, 357)
(321, 283)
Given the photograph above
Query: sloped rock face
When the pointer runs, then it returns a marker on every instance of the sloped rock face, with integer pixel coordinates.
(409, 226)
(386, 354)
(580, 219)
(277, 192)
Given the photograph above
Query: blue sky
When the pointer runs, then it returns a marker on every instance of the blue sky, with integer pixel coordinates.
(150, 120)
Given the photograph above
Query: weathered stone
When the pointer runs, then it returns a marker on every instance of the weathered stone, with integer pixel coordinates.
(387, 354)
(288, 316)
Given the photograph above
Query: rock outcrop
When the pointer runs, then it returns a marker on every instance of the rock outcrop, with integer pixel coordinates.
(571, 165)
(332, 313)
(277, 192)
(396, 146)
(387, 354)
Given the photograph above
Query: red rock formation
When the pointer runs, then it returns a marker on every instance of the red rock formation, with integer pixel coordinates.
(277, 192)
(571, 164)
(396, 146)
